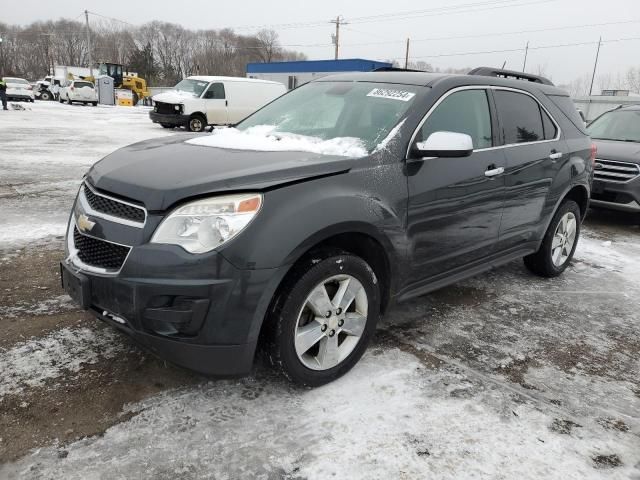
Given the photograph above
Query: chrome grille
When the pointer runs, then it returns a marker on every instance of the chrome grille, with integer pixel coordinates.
(615, 171)
(113, 207)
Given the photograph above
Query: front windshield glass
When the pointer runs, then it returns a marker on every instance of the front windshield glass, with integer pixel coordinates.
(621, 125)
(334, 110)
(194, 87)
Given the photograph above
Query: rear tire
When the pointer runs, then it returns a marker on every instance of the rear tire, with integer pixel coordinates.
(197, 123)
(559, 243)
(323, 318)
(69, 101)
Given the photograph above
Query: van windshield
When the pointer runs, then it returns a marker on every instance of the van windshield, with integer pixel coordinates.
(337, 110)
(193, 87)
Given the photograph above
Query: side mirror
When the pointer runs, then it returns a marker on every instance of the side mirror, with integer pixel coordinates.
(444, 144)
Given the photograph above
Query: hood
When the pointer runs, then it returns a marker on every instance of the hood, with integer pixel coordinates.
(173, 96)
(621, 151)
(161, 172)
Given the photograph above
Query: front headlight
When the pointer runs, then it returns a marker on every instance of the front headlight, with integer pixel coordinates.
(203, 225)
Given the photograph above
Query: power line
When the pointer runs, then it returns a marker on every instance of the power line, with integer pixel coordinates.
(521, 49)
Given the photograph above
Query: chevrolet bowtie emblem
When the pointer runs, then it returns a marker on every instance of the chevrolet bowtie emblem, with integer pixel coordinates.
(84, 224)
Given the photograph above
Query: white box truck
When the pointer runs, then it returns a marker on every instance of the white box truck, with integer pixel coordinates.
(199, 101)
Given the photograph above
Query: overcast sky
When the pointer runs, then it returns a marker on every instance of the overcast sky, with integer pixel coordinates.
(383, 36)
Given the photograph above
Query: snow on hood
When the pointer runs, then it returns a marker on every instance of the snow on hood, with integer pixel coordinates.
(173, 96)
(265, 138)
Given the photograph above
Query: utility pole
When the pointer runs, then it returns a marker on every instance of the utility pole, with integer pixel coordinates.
(336, 38)
(595, 65)
(406, 56)
(86, 17)
(526, 51)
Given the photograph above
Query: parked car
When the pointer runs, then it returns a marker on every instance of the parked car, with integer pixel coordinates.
(199, 101)
(18, 89)
(616, 183)
(80, 91)
(299, 227)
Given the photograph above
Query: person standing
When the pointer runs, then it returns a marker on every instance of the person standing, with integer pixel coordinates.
(3, 93)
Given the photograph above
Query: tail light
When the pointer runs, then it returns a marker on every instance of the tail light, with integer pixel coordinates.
(594, 152)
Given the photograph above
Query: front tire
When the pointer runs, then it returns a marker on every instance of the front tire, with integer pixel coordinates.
(46, 96)
(559, 243)
(197, 123)
(323, 318)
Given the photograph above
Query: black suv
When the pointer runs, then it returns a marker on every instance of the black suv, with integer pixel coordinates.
(299, 227)
(616, 183)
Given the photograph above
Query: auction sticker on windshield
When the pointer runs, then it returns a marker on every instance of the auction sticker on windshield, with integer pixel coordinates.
(391, 93)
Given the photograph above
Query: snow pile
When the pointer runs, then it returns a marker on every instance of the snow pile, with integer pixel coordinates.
(265, 138)
(31, 363)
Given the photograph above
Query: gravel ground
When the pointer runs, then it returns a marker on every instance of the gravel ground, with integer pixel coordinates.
(504, 375)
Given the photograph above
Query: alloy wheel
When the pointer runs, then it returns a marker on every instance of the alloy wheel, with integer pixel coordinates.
(331, 322)
(564, 239)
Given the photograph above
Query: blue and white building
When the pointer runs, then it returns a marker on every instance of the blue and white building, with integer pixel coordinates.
(293, 74)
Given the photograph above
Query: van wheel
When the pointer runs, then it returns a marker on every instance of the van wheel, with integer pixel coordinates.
(559, 243)
(197, 123)
(323, 318)
(46, 96)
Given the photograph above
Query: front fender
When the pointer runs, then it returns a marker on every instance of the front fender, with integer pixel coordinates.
(296, 217)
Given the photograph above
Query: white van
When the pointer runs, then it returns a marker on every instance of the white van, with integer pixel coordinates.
(199, 101)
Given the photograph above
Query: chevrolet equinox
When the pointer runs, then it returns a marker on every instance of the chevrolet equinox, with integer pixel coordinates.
(296, 229)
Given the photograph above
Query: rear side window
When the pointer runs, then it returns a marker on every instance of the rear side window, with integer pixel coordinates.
(550, 129)
(520, 117)
(467, 112)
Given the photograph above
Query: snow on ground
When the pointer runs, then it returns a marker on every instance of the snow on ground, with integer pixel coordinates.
(266, 138)
(50, 306)
(389, 418)
(46, 150)
(30, 364)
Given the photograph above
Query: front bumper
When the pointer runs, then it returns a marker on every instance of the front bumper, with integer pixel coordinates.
(622, 196)
(197, 311)
(174, 119)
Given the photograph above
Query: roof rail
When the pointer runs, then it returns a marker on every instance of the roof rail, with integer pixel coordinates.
(498, 72)
(396, 69)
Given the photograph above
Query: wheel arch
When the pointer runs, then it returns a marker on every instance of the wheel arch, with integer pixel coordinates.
(376, 251)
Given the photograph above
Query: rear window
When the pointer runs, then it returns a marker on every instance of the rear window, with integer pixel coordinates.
(567, 106)
(82, 84)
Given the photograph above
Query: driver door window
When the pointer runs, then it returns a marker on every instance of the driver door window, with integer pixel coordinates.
(215, 92)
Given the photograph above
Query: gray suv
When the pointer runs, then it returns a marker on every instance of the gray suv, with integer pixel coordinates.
(295, 230)
(616, 183)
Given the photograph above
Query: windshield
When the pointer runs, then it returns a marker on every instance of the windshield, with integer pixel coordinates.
(335, 110)
(16, 80)
(621, 125)
(194, 87)
(83, 84)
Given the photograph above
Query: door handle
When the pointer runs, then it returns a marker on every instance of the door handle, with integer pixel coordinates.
(494, 171)
(555, 155)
